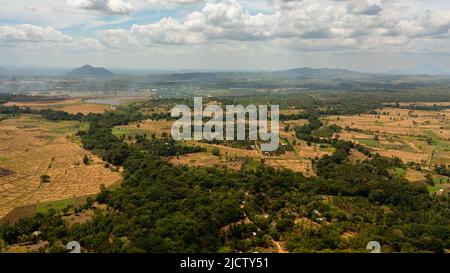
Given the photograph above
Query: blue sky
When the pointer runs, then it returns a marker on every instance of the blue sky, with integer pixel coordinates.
(367, 35)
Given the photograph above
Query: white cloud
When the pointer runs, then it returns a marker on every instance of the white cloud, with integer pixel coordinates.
(294, 26)
(27, 33)
(172, 3)
(335, 25)
(105, 6)
(38, 39)
(362, 7)
(30, 7)
(216, 22)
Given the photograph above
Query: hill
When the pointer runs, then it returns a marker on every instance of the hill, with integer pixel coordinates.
(296, 73)
(89, 71)
(423, 69)
(307, 72)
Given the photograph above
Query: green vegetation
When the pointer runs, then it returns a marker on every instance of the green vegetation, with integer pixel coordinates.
(368, 142)
(56, 205)
(161, 207)
(400, 172)
(125, 132)
(215, 152)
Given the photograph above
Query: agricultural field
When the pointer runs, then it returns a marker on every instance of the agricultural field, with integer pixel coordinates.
(206, 160)
(299, 160)
(149, 127)
(415, 136)
(422, 137)
(71, 106)
(39, 164)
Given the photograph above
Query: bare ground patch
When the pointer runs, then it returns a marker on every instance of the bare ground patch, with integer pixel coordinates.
(205, 160)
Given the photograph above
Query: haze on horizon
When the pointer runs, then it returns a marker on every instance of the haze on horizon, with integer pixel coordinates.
(362, 35)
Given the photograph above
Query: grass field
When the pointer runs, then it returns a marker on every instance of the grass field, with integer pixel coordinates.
(32, 147)
(57, 205)
(368, 142)
(149, 127)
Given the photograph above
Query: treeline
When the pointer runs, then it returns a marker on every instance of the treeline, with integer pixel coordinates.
(100, 140)
(443, 170)
(45, 113)
(314, 131)
(161, 116)
(433, 107)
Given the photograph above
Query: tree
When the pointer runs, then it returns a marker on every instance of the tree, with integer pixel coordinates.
(45, 179)
(215, 152)
(86, 160)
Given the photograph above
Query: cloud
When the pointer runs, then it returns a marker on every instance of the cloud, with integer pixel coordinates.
(30, 7)
(362, 7)
(331, 25)
(40, 39)
(113, 7)
(172, 3)
(297, 25)
(27, 33)
(216, 22)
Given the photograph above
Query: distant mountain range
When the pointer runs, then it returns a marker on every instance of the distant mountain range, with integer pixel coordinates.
(307, 72)
(296, 73)
(89, 71)
(423, 69)
(419, 70)
(293, 74)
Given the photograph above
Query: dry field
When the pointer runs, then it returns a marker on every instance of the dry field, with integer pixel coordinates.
(71, 106)
(415, 176)
(401, 122)
(297, 161)
(84, 108)
(32, 147)
(229, 151)
(43, 104)
(291, 111)
(297, 165)
(205, 160)
(417, 136)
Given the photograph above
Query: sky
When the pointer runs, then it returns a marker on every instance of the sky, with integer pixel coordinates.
(362, 35)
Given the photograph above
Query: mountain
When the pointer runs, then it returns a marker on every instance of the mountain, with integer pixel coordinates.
(89, 71)
(307, 72)
(423, 69)
(295, 74)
